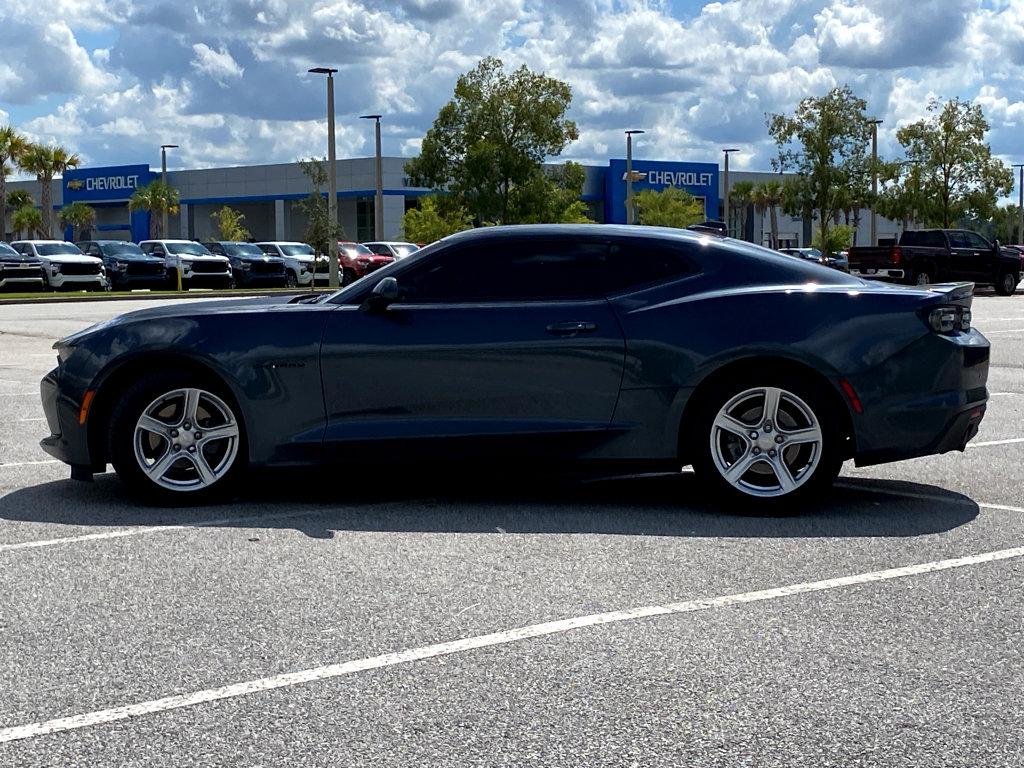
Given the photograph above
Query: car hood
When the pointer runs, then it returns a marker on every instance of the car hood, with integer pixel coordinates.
(72, 259)
(143, 258)
(267, 259)
(199, 257)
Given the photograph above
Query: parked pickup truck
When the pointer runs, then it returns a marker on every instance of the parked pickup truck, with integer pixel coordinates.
(934, 256)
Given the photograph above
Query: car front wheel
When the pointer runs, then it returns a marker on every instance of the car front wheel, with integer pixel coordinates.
(767, 441)
(177, 439)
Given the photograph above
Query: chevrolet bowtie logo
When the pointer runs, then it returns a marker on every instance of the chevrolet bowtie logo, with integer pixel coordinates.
(75, 184)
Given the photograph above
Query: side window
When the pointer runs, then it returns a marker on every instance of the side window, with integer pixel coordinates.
(974, 240)
(637, 263)
(216, 248)
(957, 239)
(934, 240)
(380, 250)
(19, 247)
(510, 270)
(94, 250)
(158, 250)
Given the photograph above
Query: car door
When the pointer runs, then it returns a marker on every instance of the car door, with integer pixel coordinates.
(983, 257)
(497, 338)
(961, 257)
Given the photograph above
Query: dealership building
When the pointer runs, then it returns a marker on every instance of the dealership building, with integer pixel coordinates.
(270, 195)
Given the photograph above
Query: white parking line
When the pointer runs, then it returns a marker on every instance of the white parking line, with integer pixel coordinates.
(120, 533)
(514, 635)
(983, 444)
(26, 464)
(1003, 331)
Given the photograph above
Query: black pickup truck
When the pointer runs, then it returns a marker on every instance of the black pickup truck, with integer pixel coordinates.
(935, 256)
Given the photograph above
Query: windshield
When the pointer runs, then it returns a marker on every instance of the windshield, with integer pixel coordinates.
(404, 249)
(6, 250)
(57, 249)
(355, 249)
(189, 249)
(243, 249)
(812, 252)
(297, 249)
(122, 249)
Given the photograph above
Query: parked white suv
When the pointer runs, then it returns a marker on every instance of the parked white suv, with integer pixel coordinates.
(299, 262)
(64, 264)
(198, 266)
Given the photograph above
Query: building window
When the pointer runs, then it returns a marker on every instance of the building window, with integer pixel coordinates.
(364, 220)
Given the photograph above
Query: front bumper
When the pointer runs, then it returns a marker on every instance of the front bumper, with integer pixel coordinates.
(61, 280)
(30, 282)
(68, 440)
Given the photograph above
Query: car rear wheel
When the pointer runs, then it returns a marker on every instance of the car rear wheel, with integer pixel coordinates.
(1006, 285)
(766, 440)
(922, 278)
(178, 439)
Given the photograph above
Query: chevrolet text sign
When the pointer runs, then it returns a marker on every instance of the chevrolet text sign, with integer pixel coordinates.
(699, 179)
(97, 184)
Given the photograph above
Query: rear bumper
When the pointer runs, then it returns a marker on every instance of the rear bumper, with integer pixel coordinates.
(927, 399)
(879, 274)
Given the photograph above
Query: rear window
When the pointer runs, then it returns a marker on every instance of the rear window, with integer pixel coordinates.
(635, 263)
(926, 238)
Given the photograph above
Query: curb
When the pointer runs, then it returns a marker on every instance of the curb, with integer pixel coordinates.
(142, 295)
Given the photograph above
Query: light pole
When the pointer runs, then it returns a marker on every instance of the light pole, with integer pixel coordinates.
(1020, 203)
(630, 212)
(163, 178)
(874, 179)
(163, 232)
(332, 192)
(378, 195)
(725, 183)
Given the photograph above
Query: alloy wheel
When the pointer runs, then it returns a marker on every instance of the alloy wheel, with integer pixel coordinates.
(923, 279)
(766, 442)
(186, 439)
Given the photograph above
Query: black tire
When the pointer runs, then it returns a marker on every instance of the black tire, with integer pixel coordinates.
(1006, 283)
(231, 282)
(348, 276)
(746, 493)
(121, 446)
(291, 280)
(922, 276)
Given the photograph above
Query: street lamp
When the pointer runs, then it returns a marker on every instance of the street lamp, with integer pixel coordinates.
(874, 179)
(163, 232)
(630, 212)
(725, 210)
(378, 196)
(1020, 202)
(332, 193)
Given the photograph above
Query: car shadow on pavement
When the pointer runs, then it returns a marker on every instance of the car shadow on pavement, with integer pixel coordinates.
(654, 505)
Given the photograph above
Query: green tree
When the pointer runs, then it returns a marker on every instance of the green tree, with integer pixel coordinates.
(319, 227)
(79, 216)
(156, 198)
(740, 198)
(826, 142)
(767, 196)
(901, 196)
(46, 162)
(229, 224)
(28, 221)
(959, 176)
(493, 137)
(12, 146)
(433, 219)
(1006, 224)
(834, 239)
(670, 207)
(551, 196)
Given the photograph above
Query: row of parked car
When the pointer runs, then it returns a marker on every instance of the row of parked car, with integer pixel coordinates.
(121, 265)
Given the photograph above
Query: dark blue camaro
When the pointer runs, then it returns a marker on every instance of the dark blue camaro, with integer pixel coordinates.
(659, 348)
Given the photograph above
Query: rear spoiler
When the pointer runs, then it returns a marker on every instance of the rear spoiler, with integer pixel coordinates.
(954, 293)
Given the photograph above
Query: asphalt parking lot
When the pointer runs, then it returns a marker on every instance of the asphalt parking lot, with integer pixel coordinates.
(334, 620)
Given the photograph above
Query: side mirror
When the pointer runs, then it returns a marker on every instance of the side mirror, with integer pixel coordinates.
(383, 294)
(998, 245)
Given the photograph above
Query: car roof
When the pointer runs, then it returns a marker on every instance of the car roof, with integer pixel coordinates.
(38, 240)
(281, 243)
(169, 240)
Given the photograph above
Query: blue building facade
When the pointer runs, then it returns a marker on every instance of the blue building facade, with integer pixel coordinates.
(108, 190)
(699, 179)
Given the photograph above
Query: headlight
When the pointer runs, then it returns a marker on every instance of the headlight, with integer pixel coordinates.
(120, 265)
(363, 260)
(54, 269)
(246, 266)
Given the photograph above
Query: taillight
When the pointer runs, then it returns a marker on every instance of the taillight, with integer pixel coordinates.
(949, 320)
(897, 255)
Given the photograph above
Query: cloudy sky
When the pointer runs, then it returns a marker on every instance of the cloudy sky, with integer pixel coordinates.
(114, 79)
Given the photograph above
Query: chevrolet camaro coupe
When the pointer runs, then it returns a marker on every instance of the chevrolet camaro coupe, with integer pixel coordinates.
(535, 345)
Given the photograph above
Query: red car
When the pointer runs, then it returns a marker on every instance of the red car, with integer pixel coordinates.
(356, 260)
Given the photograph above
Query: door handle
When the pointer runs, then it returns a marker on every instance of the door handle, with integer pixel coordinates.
(571, 327)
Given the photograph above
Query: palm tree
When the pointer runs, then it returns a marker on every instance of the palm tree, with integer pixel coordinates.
(12, 145)
(46, 162)
(768, 196)
(27, 221)
(156, 197)
(739, 199)
(79, 216)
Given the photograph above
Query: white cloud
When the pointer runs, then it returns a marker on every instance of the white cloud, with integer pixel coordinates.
(220, 65)
(692, 80)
